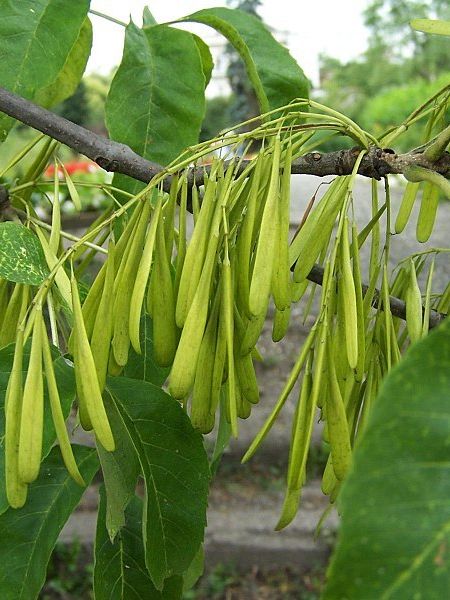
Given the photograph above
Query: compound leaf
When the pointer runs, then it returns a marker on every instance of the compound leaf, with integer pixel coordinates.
(176, 473)
(29, 534)
(276, 77)
(395, 536)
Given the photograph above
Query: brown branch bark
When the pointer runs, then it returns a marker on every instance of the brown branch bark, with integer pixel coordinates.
(108, 154)
(119, 158)
(398, 307)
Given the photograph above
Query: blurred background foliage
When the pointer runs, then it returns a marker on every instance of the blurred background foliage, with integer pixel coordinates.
(398, 71)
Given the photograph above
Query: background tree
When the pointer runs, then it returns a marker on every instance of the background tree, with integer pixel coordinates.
(420, 55)
(397, 58)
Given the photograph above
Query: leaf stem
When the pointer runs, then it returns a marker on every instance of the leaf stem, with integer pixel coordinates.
(107, 17)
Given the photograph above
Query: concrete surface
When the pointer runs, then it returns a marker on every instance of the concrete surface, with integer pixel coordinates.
(240, 529)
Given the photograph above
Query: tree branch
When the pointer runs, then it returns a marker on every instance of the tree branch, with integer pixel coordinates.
(119, 158)
(110, 155)
(398, 307)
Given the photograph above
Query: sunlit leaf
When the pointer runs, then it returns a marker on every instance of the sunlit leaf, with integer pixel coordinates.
(70, 76)
(36, 37)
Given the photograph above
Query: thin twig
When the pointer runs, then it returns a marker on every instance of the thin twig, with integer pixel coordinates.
(108, 154)
(398, 307)
(119, 158)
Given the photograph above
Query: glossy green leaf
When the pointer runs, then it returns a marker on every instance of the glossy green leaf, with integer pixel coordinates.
(176, 474)
(36, 37)
(70, 76)
(276, 77)
(29, 534)
(120, 468)
(395, 533)
(66, 386)
(21, 256)
(156, 101)
(143, 366)
(120, 572)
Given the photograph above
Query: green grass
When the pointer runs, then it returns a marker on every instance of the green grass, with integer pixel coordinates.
(69, 573)
(225, 582)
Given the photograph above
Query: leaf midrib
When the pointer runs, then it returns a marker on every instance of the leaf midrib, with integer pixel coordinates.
(32, 38)
(126, 425)
(416, 562)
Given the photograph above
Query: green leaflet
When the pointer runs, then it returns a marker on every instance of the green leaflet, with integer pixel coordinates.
(276, 77)
(157, 98)
(203, 48)
(21, 256)
(121, 468)
(120, 572)
(222, 438)
(395, 511)
(195, 570)
(435, 26)
(120, 471)
(206, 56)
(70, 76)
(176, 474)
(148, 20)
(36, 38)
(28, 534)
